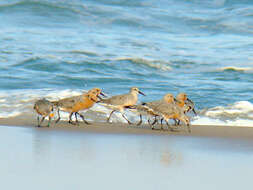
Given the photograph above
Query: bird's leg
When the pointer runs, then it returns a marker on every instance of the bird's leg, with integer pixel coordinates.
(49, 121)
(86, 122)
(140, 120)
(38, 121)
(76, 117)
(189, 128)
(108, 120)
(41, 121)
(149, 122)
(194, 111)
(126, 119)
(59, 117)
(162, 124)
(70, 118)
(154, 122)
(171, 128)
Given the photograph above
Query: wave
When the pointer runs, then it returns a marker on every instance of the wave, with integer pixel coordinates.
(124, 3)
(218, 122)
(82, 52)
(54, 63)
(239, 114)
(61, 13)
(119, 13)
(236, 69)
(157, 64)
(40, 3)
(238, 109)
(46, 64)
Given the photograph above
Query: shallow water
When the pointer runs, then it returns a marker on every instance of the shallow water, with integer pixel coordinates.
(33, 158)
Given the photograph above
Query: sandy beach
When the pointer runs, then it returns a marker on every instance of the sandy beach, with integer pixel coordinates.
(118, 156)
(112, 128)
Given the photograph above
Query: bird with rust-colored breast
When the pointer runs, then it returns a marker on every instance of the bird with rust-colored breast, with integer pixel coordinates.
(74, 104)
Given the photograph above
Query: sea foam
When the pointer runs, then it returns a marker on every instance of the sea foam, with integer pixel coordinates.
(17, 102)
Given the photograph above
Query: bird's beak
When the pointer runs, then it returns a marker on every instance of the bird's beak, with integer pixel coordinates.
(194, 111)
(141, 93)
(189, 100)
(103, 94)
(100, 98)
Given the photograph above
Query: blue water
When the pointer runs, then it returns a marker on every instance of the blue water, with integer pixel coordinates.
(203, 48)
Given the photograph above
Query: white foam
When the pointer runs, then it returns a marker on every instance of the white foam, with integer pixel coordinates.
(237, 114)
(17, 102)
(2, 100)
(244, 105)
(10, 114)
(63, 94)
(233, 68)
(234, 110)
(201, 120)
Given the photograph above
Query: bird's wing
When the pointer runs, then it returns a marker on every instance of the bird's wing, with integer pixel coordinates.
(69, 102)
(116, 100)
(154, 104)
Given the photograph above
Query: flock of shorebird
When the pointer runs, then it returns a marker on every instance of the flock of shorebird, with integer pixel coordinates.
(165, 109)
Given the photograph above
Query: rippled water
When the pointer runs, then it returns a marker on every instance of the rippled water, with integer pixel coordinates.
(33, 158)
(203, 48)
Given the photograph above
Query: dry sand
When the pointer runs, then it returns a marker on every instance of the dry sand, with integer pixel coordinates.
(112, 128)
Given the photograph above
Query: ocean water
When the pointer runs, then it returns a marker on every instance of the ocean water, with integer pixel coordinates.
(59, 48)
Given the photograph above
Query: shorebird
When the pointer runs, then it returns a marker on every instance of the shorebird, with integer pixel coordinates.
(44, 108)
(171, 110)
(156, 106)
(189, 106)
(147, 109)
(75, 104)
(185, 103)
(167, 109)
(141, 109)
(120, 102)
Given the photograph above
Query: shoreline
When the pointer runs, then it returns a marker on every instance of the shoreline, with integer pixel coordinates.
(121, 128)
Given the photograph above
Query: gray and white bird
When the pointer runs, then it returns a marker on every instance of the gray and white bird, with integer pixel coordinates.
(120, 102)
(45, 109)
(166, 108)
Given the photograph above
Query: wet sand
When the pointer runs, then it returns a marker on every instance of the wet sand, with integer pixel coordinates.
(119, 156)
(112, 128)
(95, 157)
